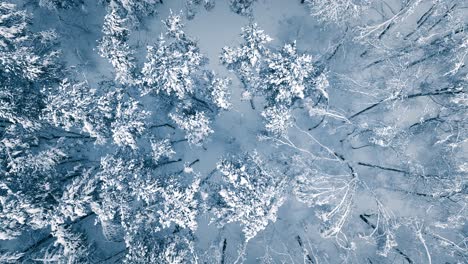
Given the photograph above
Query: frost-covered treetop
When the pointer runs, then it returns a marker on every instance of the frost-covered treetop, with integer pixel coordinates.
(337, 11)
(195, 125)
(13, 25)
(251, 50)
(252, 195)
(289, 74)
(172, 65)
(283, 76)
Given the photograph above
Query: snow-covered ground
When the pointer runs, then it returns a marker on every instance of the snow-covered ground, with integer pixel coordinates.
(373, 166)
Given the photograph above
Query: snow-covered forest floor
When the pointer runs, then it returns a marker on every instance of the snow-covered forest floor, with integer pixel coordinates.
(233, 131)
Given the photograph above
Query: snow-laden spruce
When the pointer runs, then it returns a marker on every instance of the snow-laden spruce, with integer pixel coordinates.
(282, 76)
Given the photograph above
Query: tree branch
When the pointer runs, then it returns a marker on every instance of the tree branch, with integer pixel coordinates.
(363, 217)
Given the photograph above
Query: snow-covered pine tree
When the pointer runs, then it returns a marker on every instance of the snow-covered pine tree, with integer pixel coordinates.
(242, 7)
(110, 114)
(142, 209)
(191, 6)
(114, 46)
(284, 77)
(175, 69)
(29, 155)
(24, 66)
(251, 195)
(60, 4)
(195, 125)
